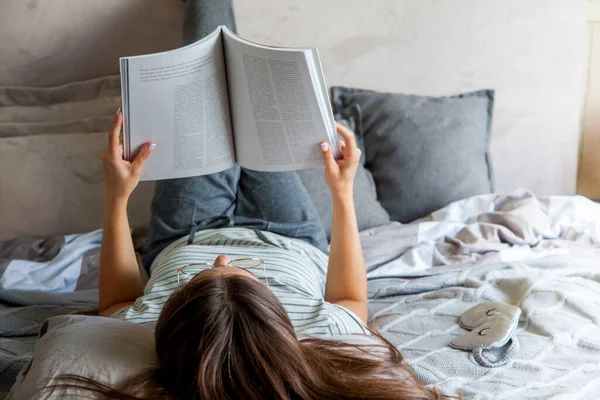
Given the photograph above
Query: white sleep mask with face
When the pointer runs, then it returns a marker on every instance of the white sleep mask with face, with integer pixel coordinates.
(491, 327)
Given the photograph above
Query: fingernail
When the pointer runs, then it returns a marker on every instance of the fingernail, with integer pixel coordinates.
(151, 146)
(324, 146)
(118, 111)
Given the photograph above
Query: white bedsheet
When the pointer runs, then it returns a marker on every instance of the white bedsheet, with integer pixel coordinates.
(541, 255)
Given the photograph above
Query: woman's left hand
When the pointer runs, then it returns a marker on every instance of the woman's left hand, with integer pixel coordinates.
(339, 174)
(122, 176)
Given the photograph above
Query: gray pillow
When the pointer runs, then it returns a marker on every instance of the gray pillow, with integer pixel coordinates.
(104, 349)
(424, 152)
(369, 212)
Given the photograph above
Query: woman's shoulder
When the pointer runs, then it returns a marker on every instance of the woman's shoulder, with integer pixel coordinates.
(312, 316)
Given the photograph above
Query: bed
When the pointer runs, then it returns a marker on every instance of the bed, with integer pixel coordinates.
(539, 254)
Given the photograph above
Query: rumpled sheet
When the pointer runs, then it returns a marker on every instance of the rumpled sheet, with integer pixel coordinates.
(541, 255)
(42, 278)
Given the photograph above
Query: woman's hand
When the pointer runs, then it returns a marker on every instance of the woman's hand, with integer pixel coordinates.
(122, 176)
(339, 174)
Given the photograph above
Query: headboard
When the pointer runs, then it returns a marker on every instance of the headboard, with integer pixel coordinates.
(588, 182)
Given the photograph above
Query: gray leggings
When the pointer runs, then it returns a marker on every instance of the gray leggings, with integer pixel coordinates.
(274, 201)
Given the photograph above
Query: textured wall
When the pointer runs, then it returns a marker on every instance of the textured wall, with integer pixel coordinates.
(530, 51)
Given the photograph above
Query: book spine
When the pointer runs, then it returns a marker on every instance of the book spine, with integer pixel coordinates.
(125, 108)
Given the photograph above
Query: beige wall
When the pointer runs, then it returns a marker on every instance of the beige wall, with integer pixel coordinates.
(530, 51)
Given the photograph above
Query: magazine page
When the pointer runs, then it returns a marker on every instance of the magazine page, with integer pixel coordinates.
(276, 101)
(179, 100)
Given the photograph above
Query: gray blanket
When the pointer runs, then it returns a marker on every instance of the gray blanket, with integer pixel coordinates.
(23, 304)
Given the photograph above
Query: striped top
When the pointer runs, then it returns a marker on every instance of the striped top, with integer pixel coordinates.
(294, 270)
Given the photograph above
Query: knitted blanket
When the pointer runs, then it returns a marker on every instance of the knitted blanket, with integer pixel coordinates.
(541, 255)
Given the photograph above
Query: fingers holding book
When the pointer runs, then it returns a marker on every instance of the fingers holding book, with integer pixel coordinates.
(122, 176)
(339, 174)
(115, 147)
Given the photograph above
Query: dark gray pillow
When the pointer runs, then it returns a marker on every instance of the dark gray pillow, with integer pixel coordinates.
(369, 212)
(424, 152)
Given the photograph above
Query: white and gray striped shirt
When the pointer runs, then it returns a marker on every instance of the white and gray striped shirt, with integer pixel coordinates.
(295, 270)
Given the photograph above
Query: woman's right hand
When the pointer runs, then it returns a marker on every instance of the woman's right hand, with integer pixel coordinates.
(339, 174)
(121, 176)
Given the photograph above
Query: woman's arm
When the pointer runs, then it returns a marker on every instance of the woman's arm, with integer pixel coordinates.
(346, 275)
(119, 278)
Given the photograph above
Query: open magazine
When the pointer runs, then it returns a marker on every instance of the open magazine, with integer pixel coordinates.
(223, 100)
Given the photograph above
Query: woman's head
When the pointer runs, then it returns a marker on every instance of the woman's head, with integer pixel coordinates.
(224, 335)
(224, 332)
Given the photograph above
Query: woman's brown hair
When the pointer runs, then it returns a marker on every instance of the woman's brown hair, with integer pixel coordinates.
(228, 337)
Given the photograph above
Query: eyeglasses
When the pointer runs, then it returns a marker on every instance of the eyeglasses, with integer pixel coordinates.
(184, 276)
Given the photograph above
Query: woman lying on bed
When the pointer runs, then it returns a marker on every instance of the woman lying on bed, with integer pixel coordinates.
(242, 289)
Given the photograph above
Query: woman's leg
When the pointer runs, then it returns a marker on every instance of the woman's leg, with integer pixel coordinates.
(180, 205)
(277, 202)
(204, 16)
